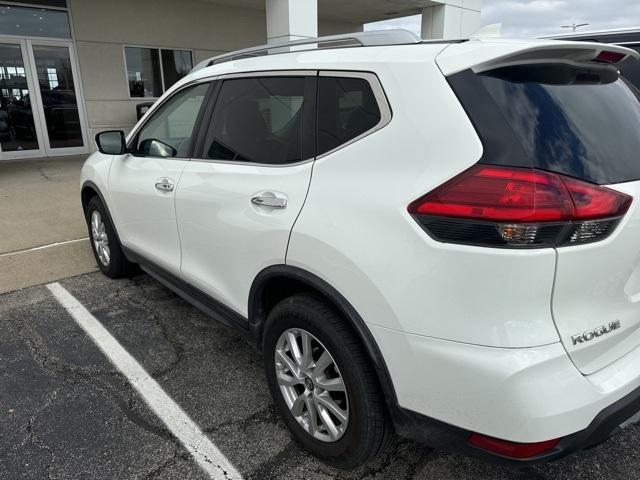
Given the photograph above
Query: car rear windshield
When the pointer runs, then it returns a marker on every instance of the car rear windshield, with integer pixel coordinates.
(581, 122)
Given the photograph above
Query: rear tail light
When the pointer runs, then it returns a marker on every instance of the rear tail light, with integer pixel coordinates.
(518, 208)
(517, 451)
(610, 57)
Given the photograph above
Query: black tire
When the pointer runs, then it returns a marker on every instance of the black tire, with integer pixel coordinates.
(118, 265)
(369, 431)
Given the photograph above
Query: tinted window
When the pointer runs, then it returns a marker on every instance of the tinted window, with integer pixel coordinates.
(347, 108)
(258, 120)
(172, 125)
(580, 122)
(631, 68)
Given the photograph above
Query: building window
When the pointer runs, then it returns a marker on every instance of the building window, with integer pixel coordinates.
(52, 76)
(7, 73)
(151, 71)
(34, 22)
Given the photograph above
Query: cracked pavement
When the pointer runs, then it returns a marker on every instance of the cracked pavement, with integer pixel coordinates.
(67, 413)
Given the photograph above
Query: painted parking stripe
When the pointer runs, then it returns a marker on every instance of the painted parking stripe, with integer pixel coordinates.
(205, 453)
(42, 247)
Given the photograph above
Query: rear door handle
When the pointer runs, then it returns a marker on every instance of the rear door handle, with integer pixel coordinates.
(269, 199)
(165, 185)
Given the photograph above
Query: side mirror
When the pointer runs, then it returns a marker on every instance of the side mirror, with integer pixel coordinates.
(155, 148)
(111, 142)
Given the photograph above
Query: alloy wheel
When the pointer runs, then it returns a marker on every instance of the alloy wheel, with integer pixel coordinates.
(100, 238)
(312, 385)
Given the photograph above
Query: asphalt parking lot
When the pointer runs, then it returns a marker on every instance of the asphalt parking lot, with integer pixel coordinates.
(67, 413)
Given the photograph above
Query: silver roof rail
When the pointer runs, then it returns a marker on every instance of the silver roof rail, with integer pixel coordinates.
(358, 39)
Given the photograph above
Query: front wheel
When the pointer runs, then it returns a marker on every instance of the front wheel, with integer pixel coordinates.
(104, 242)
(323, 384)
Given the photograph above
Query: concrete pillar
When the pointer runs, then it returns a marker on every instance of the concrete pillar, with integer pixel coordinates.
(291, 20)
(451, 19)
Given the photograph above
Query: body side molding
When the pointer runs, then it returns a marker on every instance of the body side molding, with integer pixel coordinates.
(191, 294)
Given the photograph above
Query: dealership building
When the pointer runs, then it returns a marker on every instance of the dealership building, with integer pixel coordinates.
(71, 68)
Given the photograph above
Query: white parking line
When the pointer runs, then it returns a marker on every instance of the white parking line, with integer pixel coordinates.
(41, 247)
(204, 452)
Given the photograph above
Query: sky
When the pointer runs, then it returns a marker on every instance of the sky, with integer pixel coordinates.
(540, 17)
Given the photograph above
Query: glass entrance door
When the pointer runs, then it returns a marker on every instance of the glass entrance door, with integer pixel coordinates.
(19, 131)
(58, 98)
(40, 110)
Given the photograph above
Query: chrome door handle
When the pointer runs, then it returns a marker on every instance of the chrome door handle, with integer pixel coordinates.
(165, 185)
(269, 200)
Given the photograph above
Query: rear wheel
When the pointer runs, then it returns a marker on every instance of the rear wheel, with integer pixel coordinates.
(104, 242)
(323, 384)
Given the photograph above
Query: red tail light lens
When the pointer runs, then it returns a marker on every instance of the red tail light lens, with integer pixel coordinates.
(610, 57)
(592, 202)
(518, 451)
(499, 194)
(518, 207)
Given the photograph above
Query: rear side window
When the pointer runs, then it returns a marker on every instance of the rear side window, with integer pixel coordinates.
(580, 122)
(258, 120)
(347, 108)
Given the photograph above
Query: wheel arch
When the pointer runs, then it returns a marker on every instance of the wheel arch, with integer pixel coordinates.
(87, 192)
(278, 282)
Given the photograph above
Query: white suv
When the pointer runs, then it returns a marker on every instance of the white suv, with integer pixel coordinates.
(435, 239)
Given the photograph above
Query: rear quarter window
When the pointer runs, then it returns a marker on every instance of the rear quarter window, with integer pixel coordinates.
(347, 108)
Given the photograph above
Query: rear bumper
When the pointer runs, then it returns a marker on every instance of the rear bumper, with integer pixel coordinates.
(437, 434)
(447, 390)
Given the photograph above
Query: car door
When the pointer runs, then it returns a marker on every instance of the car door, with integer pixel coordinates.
(142, 183)
(237, 202)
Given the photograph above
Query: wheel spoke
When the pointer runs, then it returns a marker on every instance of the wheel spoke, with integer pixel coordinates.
(313, 415)
(326, 401)
(307, 352)
(331, 384)
(288, 380)
(327, 421)
(323, 362)
(298, 405)
(288, 363)
(295, 349)
(95, 221)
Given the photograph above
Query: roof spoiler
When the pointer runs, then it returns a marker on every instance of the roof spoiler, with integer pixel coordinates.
(507, 52)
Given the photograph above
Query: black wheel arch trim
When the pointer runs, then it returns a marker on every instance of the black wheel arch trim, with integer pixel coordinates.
(257, 319)
(94, 187)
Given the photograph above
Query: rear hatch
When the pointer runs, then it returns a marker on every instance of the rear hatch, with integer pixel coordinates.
(562, 107)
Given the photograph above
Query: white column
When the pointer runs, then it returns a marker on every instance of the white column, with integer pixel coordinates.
(452, 19)
(291, 20)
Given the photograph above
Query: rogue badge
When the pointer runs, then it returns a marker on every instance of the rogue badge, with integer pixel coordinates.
(596, 332)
